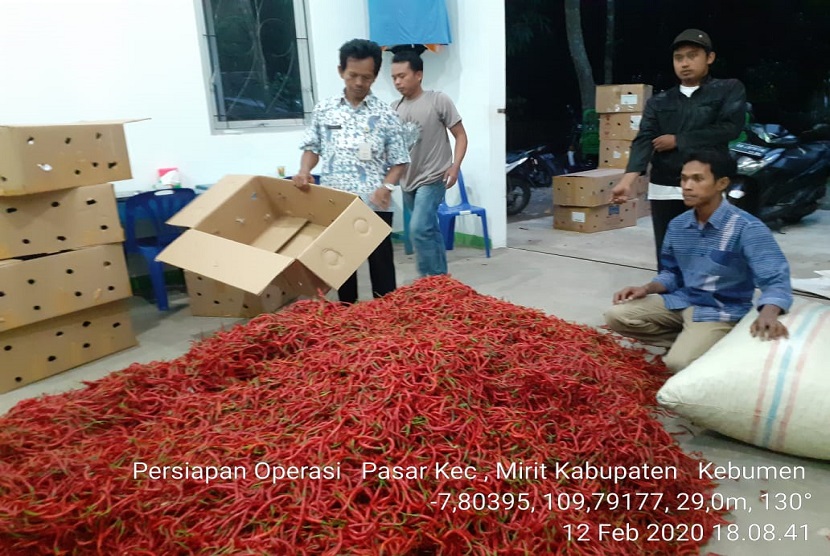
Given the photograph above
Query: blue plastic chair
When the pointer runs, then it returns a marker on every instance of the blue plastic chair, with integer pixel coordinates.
(155, 207)
(447, 214)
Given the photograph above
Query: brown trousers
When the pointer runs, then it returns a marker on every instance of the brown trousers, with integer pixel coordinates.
(649, 321)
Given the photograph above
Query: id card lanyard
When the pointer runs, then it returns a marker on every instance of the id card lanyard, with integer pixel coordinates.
(364, 148)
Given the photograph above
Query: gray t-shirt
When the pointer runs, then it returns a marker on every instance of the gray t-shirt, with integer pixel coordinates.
(426, 121)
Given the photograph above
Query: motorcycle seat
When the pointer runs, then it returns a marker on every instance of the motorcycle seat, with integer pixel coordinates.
(513, 156)
(773, 134)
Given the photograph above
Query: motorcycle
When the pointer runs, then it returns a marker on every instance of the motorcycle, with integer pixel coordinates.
(526, 170)
(518, 189)
(536, 167)
(781, 176)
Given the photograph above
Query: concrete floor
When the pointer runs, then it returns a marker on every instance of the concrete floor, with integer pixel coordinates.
(573, 277)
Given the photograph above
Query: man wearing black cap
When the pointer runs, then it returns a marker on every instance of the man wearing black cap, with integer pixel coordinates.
(700, 111)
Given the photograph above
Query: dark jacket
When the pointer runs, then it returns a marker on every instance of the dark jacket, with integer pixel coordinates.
(711, 117)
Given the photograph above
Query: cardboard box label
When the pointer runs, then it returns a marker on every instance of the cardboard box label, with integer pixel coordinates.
(43, 349)
(58, 221)
(628, 99)
(635, 122)
(613, 210)
(46, 287)
(577, 216)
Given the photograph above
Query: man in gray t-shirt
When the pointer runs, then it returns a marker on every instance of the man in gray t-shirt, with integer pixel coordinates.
(426, 117)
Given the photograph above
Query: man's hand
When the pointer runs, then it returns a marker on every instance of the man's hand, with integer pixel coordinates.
(622, 191)
(451, 176)
(767, 326)
(630, 293)
(665, 143)
(302, 180)
(381, 198)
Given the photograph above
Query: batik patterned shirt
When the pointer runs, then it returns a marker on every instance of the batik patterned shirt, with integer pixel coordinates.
(336, 133)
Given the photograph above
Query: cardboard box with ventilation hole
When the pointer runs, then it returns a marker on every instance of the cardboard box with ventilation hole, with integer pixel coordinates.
(46, 348)
(250, 232)
(209, 298)
(614, 153)
(37, 158)
(611, 99)
(43, 288)
(595, 219)
(59, 220)
(591, 188)
(619, 127)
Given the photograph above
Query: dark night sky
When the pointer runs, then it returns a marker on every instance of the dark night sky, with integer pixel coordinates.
(780, 49)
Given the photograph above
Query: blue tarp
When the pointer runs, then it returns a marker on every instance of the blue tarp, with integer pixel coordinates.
(393, 22)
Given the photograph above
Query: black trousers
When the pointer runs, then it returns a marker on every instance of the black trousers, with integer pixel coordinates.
(662, 212)
(381, 269)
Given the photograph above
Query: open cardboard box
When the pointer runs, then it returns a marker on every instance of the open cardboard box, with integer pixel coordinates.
(252, 231)
(36, 158)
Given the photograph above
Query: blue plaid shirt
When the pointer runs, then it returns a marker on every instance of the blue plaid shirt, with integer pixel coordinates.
(715, 268)
(336, 132)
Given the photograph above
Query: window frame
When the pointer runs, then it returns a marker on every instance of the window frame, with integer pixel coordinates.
(213, 84)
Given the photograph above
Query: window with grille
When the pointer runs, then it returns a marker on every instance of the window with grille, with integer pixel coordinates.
(259, 62)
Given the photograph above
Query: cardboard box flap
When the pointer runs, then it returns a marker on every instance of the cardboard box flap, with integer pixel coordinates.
(595, 173)
(205, 204)
(279, 233)
(345, 244)
(81, 123)
(111, 122)
(238, 265)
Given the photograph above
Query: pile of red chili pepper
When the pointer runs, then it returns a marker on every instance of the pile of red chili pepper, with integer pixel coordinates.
(432, 375)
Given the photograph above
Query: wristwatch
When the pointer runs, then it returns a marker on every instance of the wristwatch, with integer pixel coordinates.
(389, 186)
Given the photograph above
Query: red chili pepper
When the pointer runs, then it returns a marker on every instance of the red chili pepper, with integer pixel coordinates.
(430, 374)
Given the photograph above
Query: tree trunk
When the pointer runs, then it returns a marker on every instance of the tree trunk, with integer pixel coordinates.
(576, 45)
(609, 42)
(251, 12)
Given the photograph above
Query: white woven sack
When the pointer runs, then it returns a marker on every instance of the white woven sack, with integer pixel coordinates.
(772, 394)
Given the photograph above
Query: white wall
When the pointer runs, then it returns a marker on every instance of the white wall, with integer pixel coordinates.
(69, 60)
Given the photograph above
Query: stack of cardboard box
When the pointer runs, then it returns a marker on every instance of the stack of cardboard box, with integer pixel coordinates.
(582, 201)
(620, 109)
(63, 276)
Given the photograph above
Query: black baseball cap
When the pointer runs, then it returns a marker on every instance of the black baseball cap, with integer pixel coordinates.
(693, 36)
